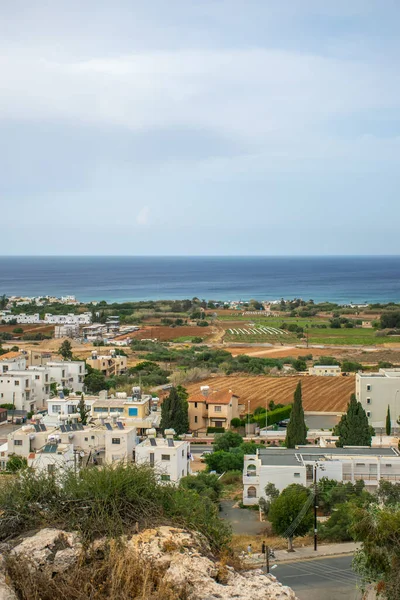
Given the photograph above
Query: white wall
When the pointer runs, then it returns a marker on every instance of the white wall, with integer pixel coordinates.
(377, 393)
(176, 467)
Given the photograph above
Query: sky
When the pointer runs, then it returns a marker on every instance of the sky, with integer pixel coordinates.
(199, 127)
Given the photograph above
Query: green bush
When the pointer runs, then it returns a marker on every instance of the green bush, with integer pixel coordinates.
(273, 416)
(105, 502)
(215, 430)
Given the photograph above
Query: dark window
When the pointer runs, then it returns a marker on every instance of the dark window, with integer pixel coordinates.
(116, 441)
(17, 442)
(165, 457)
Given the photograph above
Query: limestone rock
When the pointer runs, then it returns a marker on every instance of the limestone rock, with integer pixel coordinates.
(51, 549)
(6, 593)
(187, 558)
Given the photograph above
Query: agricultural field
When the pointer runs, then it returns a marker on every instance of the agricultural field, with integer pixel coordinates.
(165, 333)
(328, 394)
(355, 336)
(27, 328)
(256, 333)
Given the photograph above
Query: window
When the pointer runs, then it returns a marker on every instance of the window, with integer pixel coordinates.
(70, 409)
(17, 442)
(51, 468)
(152, 459)
(183, 452)
(195, 404)
(165, 478)
(368, 388)
(388, 465)
(296, 474)
(183, 473)
(100, 409)
(165, 457)
(56, 409)
(368, 400)
(118, 409)
(92, 437)
(116, 440)
(37, 377)
(195, 419)
(251, 471)
(360, 464)
(133, 412)
(217, 409)
(368, 413)
(251, 492)
(16, 382)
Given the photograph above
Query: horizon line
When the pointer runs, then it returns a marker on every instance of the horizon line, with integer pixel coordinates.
(199, 255)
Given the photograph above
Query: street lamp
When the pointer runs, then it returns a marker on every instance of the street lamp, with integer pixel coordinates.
(396, 411)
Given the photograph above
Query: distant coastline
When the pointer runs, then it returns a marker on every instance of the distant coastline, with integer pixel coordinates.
(340, 279)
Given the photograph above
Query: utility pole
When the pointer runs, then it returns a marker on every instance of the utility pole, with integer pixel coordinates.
(267, 558)
(315, 508)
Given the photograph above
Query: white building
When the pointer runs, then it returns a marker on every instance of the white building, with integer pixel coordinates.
(69, 319)
(170, 458)
(94, 332)
(377, 391)
(284, 466)
(70, 374)
(12, 361)
(17, 388)
(325, 370)
(90, 445)
(22, 318)
(61, 407)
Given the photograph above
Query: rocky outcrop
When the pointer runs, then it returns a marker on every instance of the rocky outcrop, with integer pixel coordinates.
(188, 561)
(184, 557)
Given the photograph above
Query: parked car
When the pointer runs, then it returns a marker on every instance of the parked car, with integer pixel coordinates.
(204, 454)
(284, 423)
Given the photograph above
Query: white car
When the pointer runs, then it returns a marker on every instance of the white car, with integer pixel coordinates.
(205, 453)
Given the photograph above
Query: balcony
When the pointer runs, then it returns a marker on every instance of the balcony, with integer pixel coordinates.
(251, 479)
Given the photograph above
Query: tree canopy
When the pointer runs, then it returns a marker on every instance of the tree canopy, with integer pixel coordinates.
(353, 428)
(286, 507)
(83, 410)
(225, 441)
(65, 350)
(296, 432)
(174, 411)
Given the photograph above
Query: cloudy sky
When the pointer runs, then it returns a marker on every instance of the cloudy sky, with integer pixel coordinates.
(199, 127)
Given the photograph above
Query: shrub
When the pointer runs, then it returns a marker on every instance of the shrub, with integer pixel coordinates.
(215, 430)
(107, 501)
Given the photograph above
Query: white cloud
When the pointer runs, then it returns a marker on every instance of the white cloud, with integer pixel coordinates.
(143, 215)
(257, 95)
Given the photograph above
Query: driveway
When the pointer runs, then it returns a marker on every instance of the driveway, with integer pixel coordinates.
(242, 520)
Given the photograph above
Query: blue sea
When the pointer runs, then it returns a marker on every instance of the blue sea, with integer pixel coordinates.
(342, 279)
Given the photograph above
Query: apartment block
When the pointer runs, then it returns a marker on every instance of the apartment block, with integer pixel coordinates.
(109, 364)
(377, 392)
(169, 457)
(284, 466)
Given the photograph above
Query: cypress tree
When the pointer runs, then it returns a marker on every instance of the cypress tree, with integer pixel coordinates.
(174, 411)
(388, 422)
(353, 428)
(296, 433)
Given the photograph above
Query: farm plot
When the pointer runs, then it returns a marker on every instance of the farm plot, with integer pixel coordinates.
(255, 333)
(319, 393)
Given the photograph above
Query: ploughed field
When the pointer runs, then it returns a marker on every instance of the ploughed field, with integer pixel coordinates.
(166, 333)
(325, 394)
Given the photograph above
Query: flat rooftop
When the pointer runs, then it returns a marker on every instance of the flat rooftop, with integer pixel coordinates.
(162, 443)
(295, 456)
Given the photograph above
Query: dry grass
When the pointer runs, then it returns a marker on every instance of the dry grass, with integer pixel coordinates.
(241, 542)
(115, 573)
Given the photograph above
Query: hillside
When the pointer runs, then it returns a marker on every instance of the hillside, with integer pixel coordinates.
(319, 393)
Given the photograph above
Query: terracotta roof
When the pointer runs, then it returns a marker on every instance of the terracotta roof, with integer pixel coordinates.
(214, 397)
(10, 355)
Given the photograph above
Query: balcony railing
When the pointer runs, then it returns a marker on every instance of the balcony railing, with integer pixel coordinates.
(370, 477)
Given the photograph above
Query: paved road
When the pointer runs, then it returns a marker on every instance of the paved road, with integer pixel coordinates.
(320, 579)
(200, 448)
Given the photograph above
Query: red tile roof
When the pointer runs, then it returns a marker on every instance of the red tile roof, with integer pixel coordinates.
(10, 355)
(213, 397)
